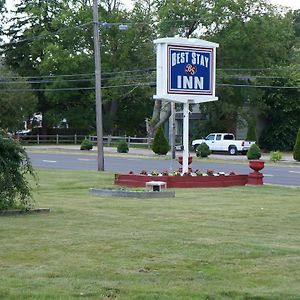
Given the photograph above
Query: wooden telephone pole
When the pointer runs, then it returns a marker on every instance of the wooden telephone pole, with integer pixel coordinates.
(98, 86)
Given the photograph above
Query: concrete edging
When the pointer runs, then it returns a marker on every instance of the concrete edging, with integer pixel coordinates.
(131, 194)
(14, 212)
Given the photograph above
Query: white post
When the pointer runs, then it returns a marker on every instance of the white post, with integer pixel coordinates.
(172, 129)
(185, 154)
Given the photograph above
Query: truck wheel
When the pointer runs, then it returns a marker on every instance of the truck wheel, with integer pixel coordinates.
(232, 150)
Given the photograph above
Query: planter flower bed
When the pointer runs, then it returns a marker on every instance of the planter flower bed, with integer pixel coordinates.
(176, 180)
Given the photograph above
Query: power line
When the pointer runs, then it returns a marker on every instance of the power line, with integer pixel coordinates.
(243, 77)
(44, 81)
(47, 90)
(80, 75)
(261, 69)
(152, 84)
(38, 37)
(258, 86)
(101, 24)
(108, 75)
(47, 76)
(72, 80)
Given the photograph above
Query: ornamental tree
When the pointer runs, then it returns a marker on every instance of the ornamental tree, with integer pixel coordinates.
(160, 144)
(15, 190)
(296, 152)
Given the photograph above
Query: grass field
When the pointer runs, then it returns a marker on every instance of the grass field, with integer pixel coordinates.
(231, 243)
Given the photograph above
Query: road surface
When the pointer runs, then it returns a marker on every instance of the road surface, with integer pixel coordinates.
(287, 174)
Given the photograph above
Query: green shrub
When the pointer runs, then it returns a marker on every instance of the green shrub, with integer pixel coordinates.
(15, 190)
(254, 152)
(275, 156)
(203, 150)
(160, 144)
(296, 152)
(86, 144)
(122, 147)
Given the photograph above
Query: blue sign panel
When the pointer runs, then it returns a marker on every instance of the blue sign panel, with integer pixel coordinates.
(190, 70)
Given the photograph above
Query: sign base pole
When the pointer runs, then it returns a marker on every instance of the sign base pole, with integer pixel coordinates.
(185, 154)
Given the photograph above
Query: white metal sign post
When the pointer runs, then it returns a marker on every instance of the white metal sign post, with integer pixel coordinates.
(186, 73)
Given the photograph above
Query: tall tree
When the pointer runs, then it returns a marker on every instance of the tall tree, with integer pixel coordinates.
(248, 44)
(282, 109)
(55, 39)
(33, 29)
(127, 63)
(15, 107)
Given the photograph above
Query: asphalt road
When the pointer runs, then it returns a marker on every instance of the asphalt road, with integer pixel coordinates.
(273, 174)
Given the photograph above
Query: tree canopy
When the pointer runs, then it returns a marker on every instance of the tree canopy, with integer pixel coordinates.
(14, 107)
(51, 43)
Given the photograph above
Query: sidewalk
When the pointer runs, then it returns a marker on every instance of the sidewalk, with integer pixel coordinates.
(287, 157)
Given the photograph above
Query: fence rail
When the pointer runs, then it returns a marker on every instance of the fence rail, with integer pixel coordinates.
(77, 139)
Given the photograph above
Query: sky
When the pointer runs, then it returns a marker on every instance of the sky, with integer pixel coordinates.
(294, 4)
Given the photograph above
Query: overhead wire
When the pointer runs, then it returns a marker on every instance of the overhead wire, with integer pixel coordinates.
(152, 84)
(112, 75)
(38, 37)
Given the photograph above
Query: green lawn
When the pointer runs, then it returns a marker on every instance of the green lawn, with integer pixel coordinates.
(231, 243)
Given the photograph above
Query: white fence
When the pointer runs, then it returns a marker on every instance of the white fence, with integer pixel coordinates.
(77, 139)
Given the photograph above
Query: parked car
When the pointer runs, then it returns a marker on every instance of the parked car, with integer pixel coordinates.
(22, 134)
(225, 142)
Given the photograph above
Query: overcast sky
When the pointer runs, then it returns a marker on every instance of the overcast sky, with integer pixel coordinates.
(294, 4)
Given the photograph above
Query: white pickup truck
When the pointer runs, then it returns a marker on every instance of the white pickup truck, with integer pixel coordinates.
(224, 142)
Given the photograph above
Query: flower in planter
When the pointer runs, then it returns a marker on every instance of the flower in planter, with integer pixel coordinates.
(231, 173)
(143, 172)
(210, 172)
(198, 173)
(187, 174)
(130, 172)
(154, 173)
(176, 173)
(165, 173)
(221, 173)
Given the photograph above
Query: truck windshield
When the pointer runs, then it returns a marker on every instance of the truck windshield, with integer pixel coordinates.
(210, 137)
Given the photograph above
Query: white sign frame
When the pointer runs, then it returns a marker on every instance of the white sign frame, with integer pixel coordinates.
(164, 69)
(196, 92)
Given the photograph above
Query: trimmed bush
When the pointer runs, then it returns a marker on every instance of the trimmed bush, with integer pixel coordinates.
(86, 144)
(203, 150)
(296, 152)
(160, 144)
(254, 152)
(15, 190)
(122, 147)
(275, 156)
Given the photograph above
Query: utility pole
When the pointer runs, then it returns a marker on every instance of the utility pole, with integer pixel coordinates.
(98, 86)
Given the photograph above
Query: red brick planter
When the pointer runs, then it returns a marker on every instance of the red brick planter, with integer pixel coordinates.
(135, 180)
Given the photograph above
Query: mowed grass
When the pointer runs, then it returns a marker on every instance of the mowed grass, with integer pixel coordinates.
(229, 243)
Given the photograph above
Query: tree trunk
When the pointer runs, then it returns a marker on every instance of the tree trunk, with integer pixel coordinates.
(161, 113)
